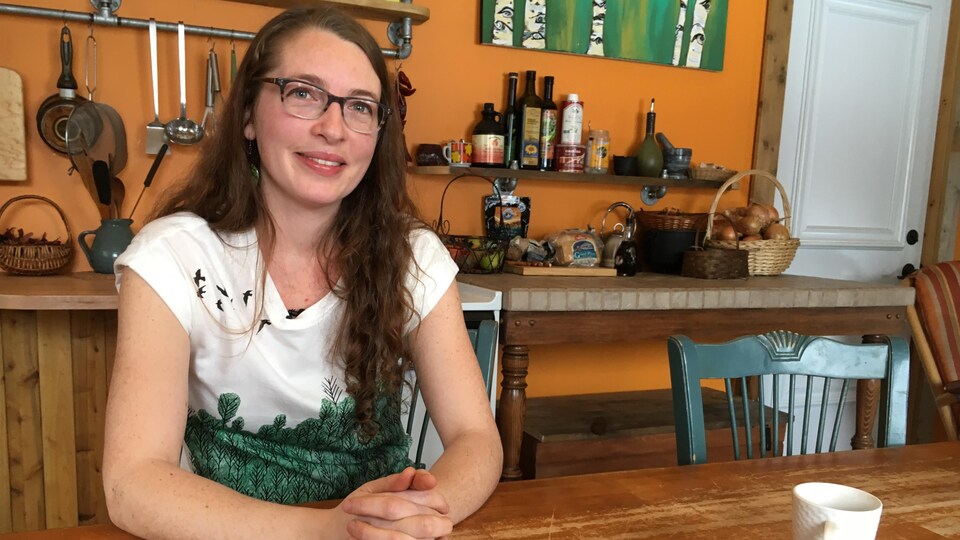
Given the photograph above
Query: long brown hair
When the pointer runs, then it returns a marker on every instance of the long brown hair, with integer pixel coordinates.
(369, 239)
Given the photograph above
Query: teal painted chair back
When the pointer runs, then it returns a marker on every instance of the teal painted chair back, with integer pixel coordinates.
(782, 358)
(484, 339)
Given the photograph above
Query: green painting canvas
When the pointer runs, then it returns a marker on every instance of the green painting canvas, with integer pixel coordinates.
(684, 33)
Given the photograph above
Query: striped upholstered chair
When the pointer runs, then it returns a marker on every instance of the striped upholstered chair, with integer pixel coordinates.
(935, 322)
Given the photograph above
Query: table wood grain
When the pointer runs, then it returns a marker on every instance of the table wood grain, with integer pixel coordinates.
(745, 500)
(919, 486)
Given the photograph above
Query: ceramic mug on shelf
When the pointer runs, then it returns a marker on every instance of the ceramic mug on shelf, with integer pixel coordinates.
(458, 153)
(834, 512)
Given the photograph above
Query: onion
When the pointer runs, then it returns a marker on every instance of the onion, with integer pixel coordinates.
(772, 214)
(759, 211)
(776, 231)
(750, 225)
(724, 231)
(750, 238)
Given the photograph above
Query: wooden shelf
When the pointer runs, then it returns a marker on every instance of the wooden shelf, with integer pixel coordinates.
(379, 10)
(586, 178)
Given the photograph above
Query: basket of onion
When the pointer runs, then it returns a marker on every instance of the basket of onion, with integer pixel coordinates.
(758, 229)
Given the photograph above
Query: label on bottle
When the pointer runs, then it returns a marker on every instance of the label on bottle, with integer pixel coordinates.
(571, 129)
(548, 133)
(530, 147)
(488, 150)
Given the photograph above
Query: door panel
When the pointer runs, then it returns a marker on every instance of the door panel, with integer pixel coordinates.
(860, 112)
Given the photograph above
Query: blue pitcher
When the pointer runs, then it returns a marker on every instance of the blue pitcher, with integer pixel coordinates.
(111, 238)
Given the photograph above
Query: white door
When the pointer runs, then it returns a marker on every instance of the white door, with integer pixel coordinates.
(859, 120)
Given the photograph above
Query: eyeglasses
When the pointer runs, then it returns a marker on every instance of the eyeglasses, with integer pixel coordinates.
(308, 101)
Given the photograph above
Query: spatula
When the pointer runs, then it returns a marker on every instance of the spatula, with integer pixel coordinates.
(155, 131)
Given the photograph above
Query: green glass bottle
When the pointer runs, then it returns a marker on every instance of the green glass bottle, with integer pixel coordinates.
(650, 157)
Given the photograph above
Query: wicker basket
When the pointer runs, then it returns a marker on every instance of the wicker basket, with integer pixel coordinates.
(711, 174)
(669, 219)
(765, 257)
(473, 254)
(36, 260)
(705, 263)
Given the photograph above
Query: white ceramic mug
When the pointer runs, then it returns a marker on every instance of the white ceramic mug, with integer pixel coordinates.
(833, 511)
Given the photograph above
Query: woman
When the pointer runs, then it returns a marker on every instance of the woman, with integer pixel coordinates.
(267, 317)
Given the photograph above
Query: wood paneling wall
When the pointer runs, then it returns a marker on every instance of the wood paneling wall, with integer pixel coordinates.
(56, 369)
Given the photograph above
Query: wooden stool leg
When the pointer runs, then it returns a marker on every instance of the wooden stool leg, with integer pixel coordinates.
(868, 397)
(512, 407)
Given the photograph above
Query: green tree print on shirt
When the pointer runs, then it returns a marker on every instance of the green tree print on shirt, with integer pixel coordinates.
(321, 458)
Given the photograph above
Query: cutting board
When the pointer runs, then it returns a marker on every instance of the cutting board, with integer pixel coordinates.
(557, 270)
(13, 150)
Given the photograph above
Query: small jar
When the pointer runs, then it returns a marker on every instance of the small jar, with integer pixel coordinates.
(570, 157)
(598, 152)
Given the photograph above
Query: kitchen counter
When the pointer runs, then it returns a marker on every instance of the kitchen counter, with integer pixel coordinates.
(668, 292)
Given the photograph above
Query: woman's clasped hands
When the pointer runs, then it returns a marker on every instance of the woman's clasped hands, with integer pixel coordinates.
(400, 506)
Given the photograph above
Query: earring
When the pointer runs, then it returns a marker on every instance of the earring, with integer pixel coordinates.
(253, 157)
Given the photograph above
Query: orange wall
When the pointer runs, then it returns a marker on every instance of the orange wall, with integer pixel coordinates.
(712, 112)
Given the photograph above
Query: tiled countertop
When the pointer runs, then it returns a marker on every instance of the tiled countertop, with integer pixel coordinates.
(540, 293)
(667, 292)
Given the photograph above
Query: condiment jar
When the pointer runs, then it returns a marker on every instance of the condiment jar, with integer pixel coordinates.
(598, 150)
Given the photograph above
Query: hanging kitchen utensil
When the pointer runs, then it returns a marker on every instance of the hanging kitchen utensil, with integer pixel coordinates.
(215, 65)
(155, 133)
(55, 110)
(207, 122)
(233, 61)
(149, 180)
(96, 129)
(183, 130)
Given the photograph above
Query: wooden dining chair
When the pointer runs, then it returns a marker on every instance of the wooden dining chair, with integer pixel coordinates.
(484, 340)
(936, 336)
(784, 357)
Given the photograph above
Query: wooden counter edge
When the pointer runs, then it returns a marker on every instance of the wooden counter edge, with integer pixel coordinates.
(73, 291)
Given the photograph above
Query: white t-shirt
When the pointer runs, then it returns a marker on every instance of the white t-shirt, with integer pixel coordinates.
(268, 412)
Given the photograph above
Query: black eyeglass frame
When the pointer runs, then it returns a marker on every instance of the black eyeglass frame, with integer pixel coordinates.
(282, 82)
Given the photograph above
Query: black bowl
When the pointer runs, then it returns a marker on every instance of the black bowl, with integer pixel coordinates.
(626, 165)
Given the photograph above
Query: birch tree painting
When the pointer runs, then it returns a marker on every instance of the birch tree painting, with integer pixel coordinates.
(596, 28)
(503, 23)
(682, 33)
(534, 24)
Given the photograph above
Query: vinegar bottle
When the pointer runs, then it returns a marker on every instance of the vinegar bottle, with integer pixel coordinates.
(650, 157)
(510, 123)
(530, 105)
(548, 126)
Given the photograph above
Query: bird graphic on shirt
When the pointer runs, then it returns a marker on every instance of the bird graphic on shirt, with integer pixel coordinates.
(201, 291)
(223, 291)
(263, 322)
(220, 305)
(246, 295)
(197, 278)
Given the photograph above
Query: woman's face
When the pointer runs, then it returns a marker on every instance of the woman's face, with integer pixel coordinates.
(313, 164)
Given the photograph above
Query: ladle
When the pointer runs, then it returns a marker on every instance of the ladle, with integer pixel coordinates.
(183, 130)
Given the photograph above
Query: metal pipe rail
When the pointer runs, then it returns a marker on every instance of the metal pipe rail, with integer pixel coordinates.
(400, 33)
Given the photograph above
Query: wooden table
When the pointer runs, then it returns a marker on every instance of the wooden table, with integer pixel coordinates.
(743, 500)
(540, 310)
